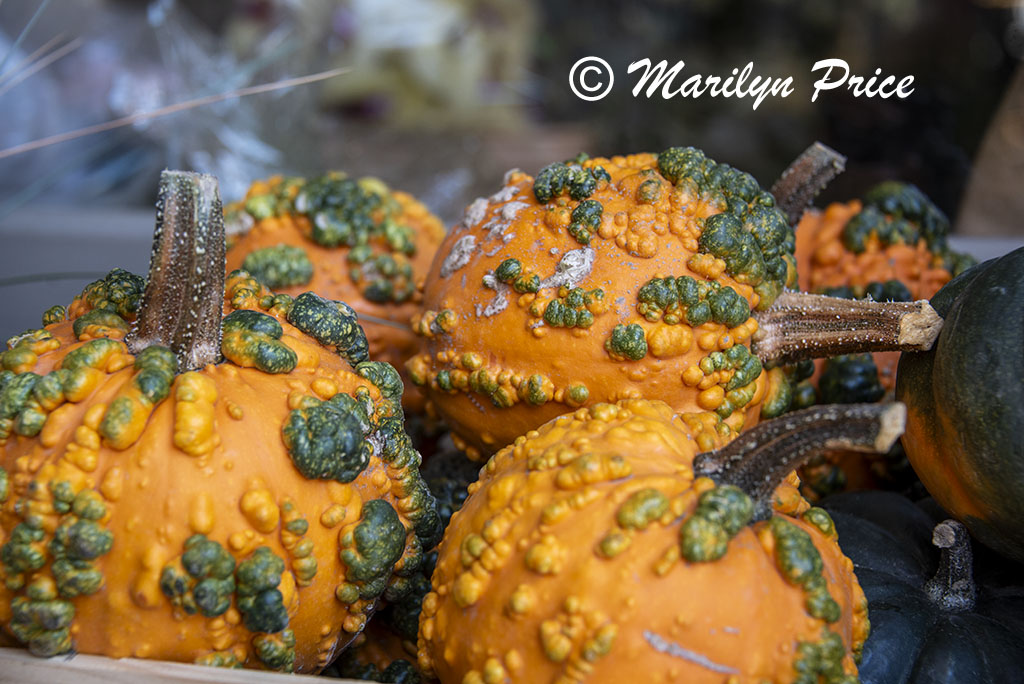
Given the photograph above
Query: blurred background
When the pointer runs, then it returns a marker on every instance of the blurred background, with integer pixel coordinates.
(443, 96)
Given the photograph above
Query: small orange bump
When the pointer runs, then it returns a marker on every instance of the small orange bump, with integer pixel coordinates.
(692, 376)
(708, 340)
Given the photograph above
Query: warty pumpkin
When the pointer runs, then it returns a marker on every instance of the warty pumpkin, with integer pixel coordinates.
(965, 426)
(172, 492)
(600, 279)
(597, 549)
(896, 233)
(941, 611)
(347, 239)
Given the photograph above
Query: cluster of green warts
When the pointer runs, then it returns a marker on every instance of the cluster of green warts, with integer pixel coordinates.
(205, 578)
(448, 473)
(42, 617)
(900, 213)
(739, 390)
(627, 342)
(279, 266)
(580, 183)
(750, 234)
(674, 300)
(358, 214)
(510, 272)
(572, 308)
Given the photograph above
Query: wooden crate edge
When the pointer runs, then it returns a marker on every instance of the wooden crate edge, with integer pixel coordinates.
(17, 665)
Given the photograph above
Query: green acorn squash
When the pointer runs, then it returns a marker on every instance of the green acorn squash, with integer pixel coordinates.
(965, 402)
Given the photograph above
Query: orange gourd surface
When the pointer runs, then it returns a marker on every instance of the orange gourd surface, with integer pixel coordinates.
(355, 241)
(600, 280)
(566, 564)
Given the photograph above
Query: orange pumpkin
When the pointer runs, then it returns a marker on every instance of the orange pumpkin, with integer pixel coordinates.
(160, 501)
(599, 280)
(355, 241)
(596, 547)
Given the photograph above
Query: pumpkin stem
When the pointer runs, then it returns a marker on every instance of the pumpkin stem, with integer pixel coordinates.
(952, 588)
(800, 326)
(760, 459)
(808, 175)
(184, 298)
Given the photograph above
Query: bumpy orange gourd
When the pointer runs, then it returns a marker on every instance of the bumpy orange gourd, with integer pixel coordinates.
(248, 512)
(355, 241)
(598, 280)
(566, 565)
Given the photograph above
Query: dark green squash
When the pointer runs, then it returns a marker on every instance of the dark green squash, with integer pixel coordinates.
(965, 403)
(934, 618)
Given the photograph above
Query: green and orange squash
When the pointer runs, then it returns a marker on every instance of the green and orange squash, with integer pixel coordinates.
(197, 469)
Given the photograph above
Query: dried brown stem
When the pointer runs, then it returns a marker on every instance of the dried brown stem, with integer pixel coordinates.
(808, 175)
(801, 326)
(184, 299)
(758, 460)
(953, 586)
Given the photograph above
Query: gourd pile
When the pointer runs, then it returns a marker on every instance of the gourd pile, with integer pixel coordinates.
(213, 463)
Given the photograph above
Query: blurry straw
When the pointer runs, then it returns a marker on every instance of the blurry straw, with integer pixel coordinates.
(41, 64)
(24, 32)
(170, 109)
(31, 58)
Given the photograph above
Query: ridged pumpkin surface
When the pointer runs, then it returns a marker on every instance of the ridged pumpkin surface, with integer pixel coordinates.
(355, 241)
(566, 565)
(154, 515)
(600, 280)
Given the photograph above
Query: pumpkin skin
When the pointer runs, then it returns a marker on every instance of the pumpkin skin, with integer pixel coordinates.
(552, 294)
(968, 446)
(542, 576)
(913, 639)
(275, 236)
(205, 516)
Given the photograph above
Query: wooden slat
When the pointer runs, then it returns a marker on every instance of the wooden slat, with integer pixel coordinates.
(20, 666)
